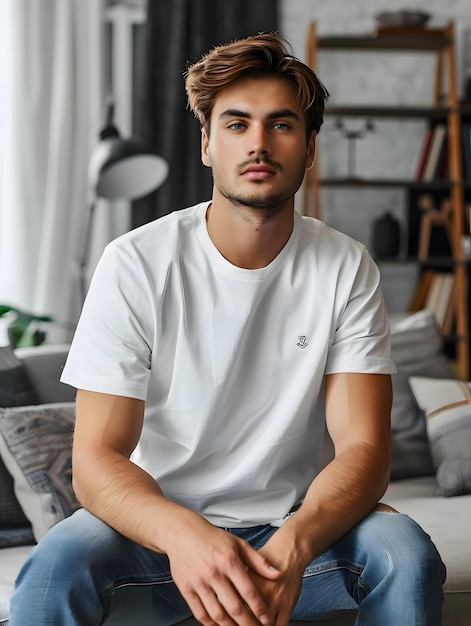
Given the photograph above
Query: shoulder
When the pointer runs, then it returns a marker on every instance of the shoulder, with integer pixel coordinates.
(145, 254)
(319, 231)
(160, 234)
(330, 247)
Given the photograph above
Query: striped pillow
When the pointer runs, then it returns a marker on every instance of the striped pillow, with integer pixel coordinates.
(447, 407)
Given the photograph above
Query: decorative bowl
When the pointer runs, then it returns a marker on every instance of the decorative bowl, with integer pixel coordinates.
(402, 18)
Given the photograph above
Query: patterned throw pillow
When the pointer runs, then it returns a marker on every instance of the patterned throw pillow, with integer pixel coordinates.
(36, 448)
(447, 407)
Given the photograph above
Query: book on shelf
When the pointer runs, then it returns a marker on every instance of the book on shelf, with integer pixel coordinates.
(439, 297)
(466, 140)
(423, 156)
(435, 293)
(418, 299)
(443, 170)
(433, 158)
(435, 154)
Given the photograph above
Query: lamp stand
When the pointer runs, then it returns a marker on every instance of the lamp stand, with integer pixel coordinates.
(84, 257)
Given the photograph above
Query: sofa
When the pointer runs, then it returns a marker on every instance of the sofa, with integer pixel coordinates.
(430, 475)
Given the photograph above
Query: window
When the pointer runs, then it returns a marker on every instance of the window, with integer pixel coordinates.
(5, 93)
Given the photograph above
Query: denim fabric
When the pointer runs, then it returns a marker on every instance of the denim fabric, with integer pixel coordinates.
(386, 567)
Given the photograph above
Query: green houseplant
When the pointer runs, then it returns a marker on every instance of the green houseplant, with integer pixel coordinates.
(23, 329)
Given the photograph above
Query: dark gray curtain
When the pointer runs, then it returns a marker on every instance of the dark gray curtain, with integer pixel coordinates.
(177, 33)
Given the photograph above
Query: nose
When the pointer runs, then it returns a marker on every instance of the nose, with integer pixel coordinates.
(258, 141)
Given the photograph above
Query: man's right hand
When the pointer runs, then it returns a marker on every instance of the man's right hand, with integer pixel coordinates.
(210, 568)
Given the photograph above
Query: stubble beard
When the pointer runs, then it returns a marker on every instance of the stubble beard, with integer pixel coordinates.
(259, 202)
(268, 206)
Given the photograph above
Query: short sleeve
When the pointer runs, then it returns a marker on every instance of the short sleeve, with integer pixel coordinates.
(112, 346)
(362, 341)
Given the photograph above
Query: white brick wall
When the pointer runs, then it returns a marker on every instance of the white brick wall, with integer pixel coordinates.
(358, 16)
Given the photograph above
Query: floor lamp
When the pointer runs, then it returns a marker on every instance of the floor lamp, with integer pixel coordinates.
(119, 169)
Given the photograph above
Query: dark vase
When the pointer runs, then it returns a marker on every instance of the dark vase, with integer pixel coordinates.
(386, 236)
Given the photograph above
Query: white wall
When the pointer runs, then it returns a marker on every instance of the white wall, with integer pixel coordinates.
(366, 78)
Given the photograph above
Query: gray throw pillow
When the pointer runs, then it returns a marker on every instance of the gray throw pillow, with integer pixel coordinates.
(416, 351)
(14, 537)
(11, 513)
(15, 387)
(15, 390)
(454, 477)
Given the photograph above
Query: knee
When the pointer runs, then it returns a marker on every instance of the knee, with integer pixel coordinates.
(421, 555)
(408, 553)
(76, 540)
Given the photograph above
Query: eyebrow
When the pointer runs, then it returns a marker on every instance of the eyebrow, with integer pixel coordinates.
(271, 116)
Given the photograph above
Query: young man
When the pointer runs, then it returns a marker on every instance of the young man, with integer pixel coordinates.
(199, 358)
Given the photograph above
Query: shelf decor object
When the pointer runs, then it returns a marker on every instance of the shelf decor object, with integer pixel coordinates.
(433, 217)
(386, 236)
(352, 137)
(402, 18)
(398, 34)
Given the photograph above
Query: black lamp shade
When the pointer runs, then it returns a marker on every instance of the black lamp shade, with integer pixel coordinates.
(125, 169)
(118, 169)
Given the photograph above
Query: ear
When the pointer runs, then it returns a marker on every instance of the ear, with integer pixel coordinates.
(311, 150)
(205, 148)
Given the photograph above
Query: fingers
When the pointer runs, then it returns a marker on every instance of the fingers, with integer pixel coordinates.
(258, 563)
(225, 608)
(252, 599)
(227, 596)
(211, 613)
(212, 570)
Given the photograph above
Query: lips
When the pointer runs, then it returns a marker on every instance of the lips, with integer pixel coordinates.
(258, 171)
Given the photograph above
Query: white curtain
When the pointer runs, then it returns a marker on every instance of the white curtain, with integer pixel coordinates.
(57, 109)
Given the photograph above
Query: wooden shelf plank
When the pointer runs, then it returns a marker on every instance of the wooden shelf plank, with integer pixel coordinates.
(405, 39)
(396, 112)
(376, 182)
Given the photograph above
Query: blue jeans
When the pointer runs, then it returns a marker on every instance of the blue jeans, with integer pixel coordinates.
(386, 567)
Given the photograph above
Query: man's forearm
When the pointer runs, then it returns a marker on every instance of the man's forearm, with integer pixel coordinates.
(341, 495)
(128, 499)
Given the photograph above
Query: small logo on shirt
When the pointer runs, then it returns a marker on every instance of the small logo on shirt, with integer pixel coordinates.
(302, 343)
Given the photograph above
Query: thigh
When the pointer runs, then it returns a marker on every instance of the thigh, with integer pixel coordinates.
(104, 562)
(98, 550)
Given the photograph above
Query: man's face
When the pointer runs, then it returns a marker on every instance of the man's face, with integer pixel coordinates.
(257, 146)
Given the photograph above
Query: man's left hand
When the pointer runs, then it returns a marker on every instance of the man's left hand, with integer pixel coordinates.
(281, 594)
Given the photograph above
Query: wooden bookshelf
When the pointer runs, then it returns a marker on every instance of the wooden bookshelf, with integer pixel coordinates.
(446, 110)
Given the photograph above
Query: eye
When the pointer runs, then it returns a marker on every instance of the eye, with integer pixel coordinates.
(281, 126)
(236, 126)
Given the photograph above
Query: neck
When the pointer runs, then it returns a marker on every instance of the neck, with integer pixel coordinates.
(249, 237)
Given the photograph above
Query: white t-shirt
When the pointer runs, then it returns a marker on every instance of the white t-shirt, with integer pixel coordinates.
(230, 361)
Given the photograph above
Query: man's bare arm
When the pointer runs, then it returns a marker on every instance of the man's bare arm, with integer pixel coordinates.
(358, 408)
(208, 565)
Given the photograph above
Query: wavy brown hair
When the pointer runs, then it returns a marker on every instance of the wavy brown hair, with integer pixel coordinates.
(259, 56)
